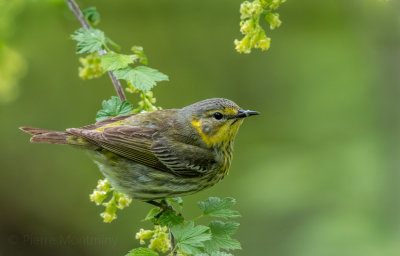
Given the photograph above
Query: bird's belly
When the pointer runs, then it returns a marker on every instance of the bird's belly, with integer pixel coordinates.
(146, 183)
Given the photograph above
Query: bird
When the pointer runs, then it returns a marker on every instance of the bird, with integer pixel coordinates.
(159, 154)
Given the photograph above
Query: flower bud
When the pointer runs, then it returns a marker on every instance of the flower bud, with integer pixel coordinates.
(108, 217)
(98, 196)
(124, 201)
(273, 19)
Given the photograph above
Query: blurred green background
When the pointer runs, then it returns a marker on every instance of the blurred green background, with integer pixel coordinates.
(317, 174)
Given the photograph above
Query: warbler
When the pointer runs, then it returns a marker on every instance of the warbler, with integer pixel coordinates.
(159, 154)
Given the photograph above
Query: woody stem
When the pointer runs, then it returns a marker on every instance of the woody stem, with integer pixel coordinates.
(78, 13)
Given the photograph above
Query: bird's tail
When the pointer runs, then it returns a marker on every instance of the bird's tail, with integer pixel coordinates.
(46, 136)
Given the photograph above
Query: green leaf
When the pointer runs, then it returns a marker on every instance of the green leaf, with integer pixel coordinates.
(89, 40)
(142, 77)
(190, 238)
(169, 218)
(220, 236)
(114, 107)
(216, 207)
(142, 252)
(152, 212)
(113, 61)
(92, 15)
(176, 202)
(218, 227)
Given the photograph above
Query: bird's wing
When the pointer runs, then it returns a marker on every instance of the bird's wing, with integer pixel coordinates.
(144, 146)
(184, 159)
(131, 142)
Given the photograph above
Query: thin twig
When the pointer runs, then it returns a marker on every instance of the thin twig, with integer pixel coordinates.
(78, 13)
(172, 239)
(117, 86)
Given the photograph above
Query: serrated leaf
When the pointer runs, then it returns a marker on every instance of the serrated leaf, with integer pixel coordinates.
(169, 218)
(142, 252)
(218, 227)
(220, 236)
(89, 40)
(92, 15)
(189, 238)
(142, 77)
(112, 61)
(114, 107)
(214, 206)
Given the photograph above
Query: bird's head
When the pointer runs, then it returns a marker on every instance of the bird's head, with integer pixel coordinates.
(216, 120)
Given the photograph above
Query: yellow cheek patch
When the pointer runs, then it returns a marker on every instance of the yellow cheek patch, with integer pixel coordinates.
(225, 133)
(207, 139)
(109, 125)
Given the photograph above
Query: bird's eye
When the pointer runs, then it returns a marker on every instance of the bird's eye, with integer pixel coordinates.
(218, 115)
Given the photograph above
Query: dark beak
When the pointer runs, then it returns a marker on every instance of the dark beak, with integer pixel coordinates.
(245, 113)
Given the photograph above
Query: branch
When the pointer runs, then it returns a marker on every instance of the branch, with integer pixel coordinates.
(78, 13)
(172, 239)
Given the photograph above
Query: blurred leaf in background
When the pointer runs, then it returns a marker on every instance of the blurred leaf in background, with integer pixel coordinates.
(12, 69)
(12, 63)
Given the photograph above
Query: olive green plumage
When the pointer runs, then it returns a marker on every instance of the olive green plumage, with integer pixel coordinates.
(159, 154)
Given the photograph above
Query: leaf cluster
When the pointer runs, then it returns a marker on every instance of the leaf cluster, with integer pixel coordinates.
(94, 40)
(100, 59)
(199, 240)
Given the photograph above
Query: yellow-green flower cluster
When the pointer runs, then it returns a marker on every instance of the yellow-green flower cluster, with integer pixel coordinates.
(117, 201)
(159, 238)
(144, 235)
(273, 19)
(254, 34)
(139, 54)
(91, 66)
(110, 213)
(101, 192)
(123, 201)
(146, 102)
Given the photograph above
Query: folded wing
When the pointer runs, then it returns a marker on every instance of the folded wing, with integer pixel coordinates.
(148, 147)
